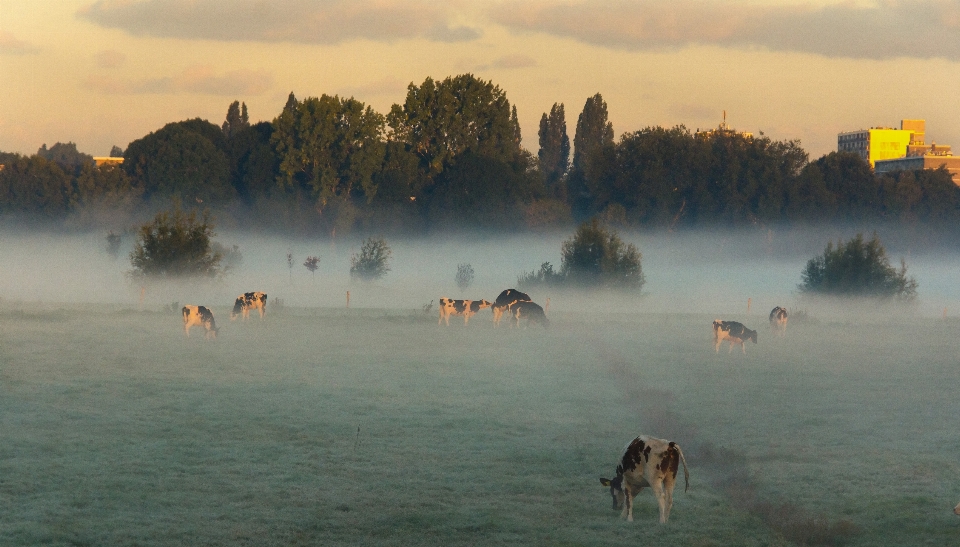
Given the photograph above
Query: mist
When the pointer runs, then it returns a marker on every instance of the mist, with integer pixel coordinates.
(704, 271)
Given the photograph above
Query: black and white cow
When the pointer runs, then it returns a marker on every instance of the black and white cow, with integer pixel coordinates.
(466, 308)
(503, 301)
(735, 332)
(778, 320)
(201, 316)
(249, 301)
(531, 311)
(647, 461)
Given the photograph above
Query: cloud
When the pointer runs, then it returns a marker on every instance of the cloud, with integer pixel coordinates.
(199, 79)
(110, 58)
(298, 21)
(10, 44)
(883, 29)
(514, 61)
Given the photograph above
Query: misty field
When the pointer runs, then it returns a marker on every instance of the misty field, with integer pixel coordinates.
(322, 426)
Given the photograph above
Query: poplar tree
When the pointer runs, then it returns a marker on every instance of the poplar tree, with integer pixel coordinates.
(554, 154)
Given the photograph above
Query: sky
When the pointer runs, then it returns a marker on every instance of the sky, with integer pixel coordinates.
(104, 73)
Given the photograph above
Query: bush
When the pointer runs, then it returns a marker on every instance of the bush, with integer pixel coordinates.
(857, 268)
(372, 261)
(465, 276)
(546, 277)
(176, 244)
(594, 257)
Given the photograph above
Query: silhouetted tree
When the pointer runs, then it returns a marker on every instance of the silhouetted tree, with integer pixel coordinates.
(116, 152)
(236, 119)
(373, 260)
(554, 154)
(857, 268)
(65, 154)
(312, 263)
(464, 277)
(594, 133)
(176, 244)
(596, 257)
(113, 244)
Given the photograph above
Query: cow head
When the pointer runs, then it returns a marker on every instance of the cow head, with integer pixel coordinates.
(237, 308)
(616, 489)
(751, 335)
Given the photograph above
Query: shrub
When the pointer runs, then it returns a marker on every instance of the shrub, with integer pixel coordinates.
(372, 261)
(176, 244)
(596, 257)
(857, 268)
(546, 277)
(464, 276)
(312, 263)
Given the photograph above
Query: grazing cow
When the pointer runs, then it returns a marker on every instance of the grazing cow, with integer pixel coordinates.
(733, 331)
(647, 461)
(466, 308)
(503, 301)
(201, 316)
(249, 301)
(778, 320)
(532, 312)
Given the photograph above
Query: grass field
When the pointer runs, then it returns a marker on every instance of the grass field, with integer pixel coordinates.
(321, 426)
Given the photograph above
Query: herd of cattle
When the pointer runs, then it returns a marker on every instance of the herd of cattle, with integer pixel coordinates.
(646, 461)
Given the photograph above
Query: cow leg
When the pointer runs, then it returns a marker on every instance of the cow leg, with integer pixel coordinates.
(717, 342)
(186, 330)
(627, 502)
(669, 482)
(657, 487)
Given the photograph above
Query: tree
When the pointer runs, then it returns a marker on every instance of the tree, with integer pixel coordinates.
(595, 257)
(184, 160)
(65, 154)
(594, 133)
(329, 146)
(312, 263)
(373, 260)
(236, 119)
(857, 268)
(440, 121)
(290, 261)
(113, 244)
(34, 185)
(116, 152)
(554, 154)
(176, 244)
(464, 276)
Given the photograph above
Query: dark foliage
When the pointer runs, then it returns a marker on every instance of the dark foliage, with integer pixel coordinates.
(176, 244)
(373, 260)
(857, 268)
(464, 277)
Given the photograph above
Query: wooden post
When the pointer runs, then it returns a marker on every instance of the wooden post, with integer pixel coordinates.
(749, 301)
(143, 290)
(546, 308)
(348, 299)
(944, 313)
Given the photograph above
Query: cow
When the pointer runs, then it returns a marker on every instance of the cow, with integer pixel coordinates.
(503, 301)
(466, 308)
(733, 331)
(647, 461)
(532, 312)
(778, 320)
(956, 510)
(201, 316)
(249, 301)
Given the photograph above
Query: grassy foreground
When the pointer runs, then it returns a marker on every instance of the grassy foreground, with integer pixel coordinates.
(349, 427)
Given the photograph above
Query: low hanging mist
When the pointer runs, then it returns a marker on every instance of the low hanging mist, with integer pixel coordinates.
(701, 272)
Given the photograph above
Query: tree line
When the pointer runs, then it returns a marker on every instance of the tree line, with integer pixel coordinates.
(450, 156)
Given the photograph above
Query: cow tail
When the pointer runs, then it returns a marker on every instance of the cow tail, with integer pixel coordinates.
(686, 474)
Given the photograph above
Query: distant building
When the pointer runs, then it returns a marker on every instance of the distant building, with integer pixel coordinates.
(888, 150)
(106, 160)
(722, 129)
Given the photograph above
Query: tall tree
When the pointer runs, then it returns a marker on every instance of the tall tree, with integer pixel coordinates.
(330, 146)
(182, 159)
(554, 154)
(236, 119)
(594, 131)
(440, 121)
(65, 154)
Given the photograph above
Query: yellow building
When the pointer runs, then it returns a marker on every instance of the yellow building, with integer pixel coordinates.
(106, 160)
(878, 143)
